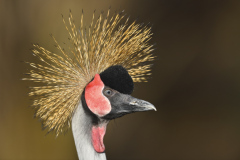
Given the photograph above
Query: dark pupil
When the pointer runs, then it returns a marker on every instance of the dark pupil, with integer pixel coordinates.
(108, 92)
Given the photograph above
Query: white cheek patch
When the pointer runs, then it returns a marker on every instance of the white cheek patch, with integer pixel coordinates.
(96, 101)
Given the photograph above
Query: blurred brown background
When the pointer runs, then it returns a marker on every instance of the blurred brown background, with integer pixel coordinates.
(195, 83)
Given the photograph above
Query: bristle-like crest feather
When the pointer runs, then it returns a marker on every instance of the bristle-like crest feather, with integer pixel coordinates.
(64, 75)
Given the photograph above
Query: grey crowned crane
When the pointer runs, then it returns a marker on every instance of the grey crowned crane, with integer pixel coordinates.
(90, 84)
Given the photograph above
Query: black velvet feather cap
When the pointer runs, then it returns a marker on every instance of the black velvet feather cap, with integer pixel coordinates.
(117, 77)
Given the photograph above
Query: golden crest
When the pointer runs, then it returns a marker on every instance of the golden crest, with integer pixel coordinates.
(64, 75)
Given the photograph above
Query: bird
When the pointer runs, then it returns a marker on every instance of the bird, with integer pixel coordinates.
(90, 83)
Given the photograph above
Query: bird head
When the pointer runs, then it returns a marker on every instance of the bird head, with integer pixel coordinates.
(97, 72)
(108, 97)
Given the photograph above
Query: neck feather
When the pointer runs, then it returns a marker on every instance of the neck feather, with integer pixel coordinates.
(81, 127)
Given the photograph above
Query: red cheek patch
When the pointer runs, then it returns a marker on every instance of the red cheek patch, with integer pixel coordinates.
(96, 101)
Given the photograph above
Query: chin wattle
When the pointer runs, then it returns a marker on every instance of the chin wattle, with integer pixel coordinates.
(97, 135)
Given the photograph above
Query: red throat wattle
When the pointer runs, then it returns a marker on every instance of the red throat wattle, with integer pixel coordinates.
(97, 138)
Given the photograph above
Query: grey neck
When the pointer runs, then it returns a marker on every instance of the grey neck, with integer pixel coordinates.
(81, 128)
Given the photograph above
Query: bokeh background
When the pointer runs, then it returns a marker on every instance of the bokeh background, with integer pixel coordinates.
(195, 83)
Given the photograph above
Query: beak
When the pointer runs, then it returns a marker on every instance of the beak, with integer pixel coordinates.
(141, 105)
(123, 104)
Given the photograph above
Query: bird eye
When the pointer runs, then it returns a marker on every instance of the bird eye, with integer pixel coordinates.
(108, 92)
